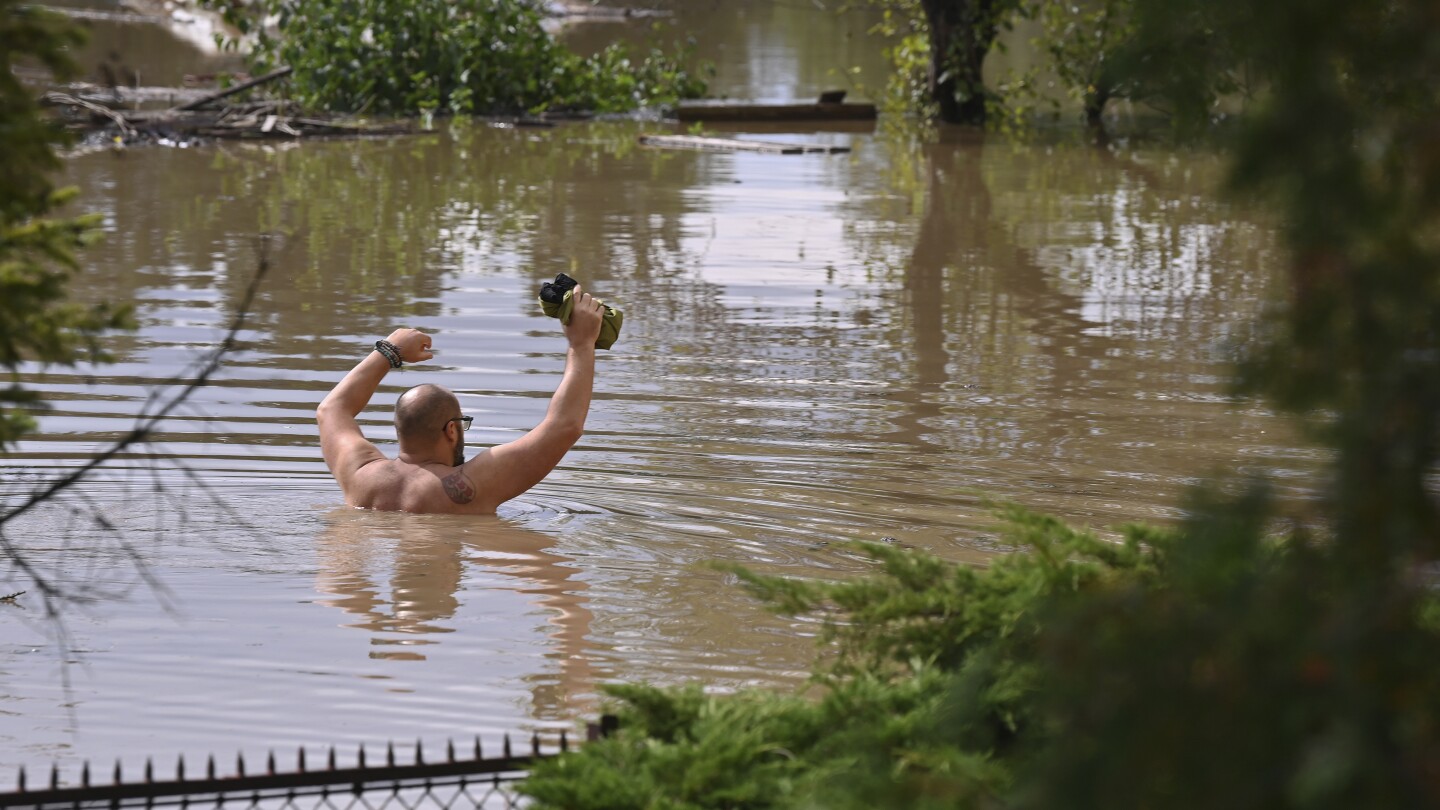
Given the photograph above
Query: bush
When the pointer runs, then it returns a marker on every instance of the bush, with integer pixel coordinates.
(465, 57)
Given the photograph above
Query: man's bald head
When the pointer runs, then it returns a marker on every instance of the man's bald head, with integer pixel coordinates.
(421, 413)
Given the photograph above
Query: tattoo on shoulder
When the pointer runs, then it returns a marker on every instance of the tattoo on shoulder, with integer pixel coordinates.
(458, 487)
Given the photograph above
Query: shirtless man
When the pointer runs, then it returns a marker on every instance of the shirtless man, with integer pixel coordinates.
(431, 473)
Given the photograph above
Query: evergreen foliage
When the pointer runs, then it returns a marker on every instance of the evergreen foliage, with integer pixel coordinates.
(37, 249)
(1251, 675)
(467, 57)
(924, 702)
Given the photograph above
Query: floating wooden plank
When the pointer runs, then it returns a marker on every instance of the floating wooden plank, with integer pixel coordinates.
(762, 130)
(809, 111)
(737, 145)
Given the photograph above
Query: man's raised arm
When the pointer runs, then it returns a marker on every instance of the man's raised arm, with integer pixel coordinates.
(345, 448)
(507, 470)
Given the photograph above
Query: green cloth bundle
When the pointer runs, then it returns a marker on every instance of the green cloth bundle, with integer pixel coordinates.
(556, 301)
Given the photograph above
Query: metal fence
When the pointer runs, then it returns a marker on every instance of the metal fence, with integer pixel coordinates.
(465, 778)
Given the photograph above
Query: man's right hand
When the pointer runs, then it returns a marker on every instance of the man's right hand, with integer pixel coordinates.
(584, 326)
(413, 344)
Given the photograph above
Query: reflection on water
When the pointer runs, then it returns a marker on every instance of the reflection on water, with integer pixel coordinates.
(425, 559)
(762, 50)
(252, 652)
(817, 349)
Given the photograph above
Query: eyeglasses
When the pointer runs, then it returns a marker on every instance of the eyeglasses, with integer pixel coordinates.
(463, 420)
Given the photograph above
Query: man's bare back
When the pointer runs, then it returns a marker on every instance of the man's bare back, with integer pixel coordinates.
(394, 486)
(431, 474)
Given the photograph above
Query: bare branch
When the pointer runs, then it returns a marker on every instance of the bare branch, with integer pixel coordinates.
(146, 422)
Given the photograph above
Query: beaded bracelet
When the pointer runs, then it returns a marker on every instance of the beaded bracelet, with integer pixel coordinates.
(391, 353)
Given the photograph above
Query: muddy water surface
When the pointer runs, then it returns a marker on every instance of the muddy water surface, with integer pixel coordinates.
(816, 349)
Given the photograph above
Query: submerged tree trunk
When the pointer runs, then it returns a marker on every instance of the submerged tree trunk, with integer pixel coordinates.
(1095, 101)
(961, 33)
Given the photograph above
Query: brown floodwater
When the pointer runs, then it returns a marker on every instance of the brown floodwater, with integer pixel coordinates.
(817, 349)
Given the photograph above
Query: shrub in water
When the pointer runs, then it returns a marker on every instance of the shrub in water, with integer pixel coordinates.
(466, 57)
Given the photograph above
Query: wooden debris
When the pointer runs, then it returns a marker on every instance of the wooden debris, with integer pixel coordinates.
(210, 98)
(131, 97)
(64, 99)
(96, 114)
(830, 107)
(258, 119)
(737, 145)
(691, 112)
